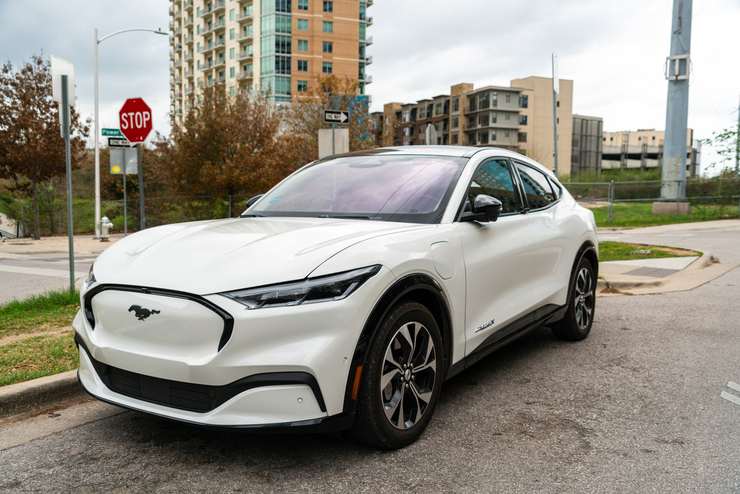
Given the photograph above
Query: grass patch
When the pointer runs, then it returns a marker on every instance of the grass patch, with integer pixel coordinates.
(37, 356)
(621, 251)
(641, 214)
(48, 311)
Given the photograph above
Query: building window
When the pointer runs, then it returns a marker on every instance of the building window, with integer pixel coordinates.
(524, 101)
(328, 47)
(232, 91)
(232, 33)
(284, 5)
(494, 100)
(303, 24)
(522, 120)
(302, 86)
(231, 53)
(302, 4)
(455, 122)
(327, 68)
(522, 137)
(454, 139)
(232, 72)
(493, 136)
(303, 45)
(328, 27)
(232, 14)
(302, 65)
(328, 6)
(508, 97)
(455, 104)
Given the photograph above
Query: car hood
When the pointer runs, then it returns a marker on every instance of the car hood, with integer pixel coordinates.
(215, 256)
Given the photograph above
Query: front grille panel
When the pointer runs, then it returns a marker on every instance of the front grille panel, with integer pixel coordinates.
(199, 398)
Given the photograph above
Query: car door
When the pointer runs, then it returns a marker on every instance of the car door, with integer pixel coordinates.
(495, 254)
(545, 254)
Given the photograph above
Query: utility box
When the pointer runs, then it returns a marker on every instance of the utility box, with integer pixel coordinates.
(333, 141)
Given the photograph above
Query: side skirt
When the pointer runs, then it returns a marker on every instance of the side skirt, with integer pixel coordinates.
(512, 331)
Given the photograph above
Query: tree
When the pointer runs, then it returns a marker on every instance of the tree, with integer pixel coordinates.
(305, 116)
(229, 146)
(724, 143)
(31, 147)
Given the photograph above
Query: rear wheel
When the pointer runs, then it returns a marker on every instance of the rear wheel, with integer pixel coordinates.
(402, 379)
(576, 325)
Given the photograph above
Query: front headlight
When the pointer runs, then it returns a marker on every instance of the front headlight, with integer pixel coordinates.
(308, 291)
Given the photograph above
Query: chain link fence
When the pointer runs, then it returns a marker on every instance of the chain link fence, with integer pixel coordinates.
(709, 198)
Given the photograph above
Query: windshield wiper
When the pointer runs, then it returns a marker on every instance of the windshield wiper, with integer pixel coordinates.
(347, 216)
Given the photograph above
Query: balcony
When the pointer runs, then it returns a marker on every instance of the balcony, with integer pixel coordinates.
(370, 3)
(216, 26)
(246, 14)
(369, 21)
(188, 5)
(210, 9)
(213, 45)
(245, 35)
(368, 40)
(368, 79)
(245, 75)
(245, 55)
(369, 60)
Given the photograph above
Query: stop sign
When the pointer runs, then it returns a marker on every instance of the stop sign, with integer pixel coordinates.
(135, 119)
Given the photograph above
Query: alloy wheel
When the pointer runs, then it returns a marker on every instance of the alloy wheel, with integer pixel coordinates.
(408, 375)
(584, 298)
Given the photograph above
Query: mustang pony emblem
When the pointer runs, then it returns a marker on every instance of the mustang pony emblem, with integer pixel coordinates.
(141, 313)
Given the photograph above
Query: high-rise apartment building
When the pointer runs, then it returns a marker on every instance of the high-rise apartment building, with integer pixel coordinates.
(517, 117)
(643, 149)
(280, 46)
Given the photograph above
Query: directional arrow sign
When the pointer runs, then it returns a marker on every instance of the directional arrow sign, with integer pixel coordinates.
(335, 116)
(119, 142)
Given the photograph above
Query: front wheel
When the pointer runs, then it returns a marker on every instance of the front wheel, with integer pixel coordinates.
(402, 379)
(576, 325)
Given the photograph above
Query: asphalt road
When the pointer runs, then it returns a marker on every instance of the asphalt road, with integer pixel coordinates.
(642, 405)
(23, 275)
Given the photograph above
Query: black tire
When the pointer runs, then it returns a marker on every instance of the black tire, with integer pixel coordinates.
(576, 325)
(406, 387)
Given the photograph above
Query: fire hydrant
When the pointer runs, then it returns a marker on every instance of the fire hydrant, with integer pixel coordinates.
(105, 227)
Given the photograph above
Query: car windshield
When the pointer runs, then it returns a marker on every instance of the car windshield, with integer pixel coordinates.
(387, 188)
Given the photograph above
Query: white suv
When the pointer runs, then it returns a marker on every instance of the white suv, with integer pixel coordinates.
(342, 298)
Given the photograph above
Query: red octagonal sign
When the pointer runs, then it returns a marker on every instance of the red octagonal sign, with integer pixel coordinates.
(135, 119)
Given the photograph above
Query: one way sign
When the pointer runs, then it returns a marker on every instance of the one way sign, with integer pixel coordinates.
(335, 116)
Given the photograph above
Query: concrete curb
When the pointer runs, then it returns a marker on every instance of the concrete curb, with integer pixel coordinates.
(25, 396)
(626, 286)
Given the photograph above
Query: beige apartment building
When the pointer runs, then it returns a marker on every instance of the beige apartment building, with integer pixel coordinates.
(643, 149)
(280, 46)
(517, 117)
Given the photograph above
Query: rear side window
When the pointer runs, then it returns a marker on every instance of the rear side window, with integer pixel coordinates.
(494, 178)
(537, 187)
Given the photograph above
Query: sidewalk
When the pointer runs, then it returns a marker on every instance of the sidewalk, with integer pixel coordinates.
(717, 239)
(85, 245)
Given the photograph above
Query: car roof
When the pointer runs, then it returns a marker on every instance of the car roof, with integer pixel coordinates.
(439, 150)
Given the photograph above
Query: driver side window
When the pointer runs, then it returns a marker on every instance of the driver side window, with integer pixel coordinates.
(493, 178)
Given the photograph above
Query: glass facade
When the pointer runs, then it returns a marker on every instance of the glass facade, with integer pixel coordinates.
(275, 44)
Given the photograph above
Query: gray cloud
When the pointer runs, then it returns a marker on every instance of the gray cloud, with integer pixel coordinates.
(613, 50)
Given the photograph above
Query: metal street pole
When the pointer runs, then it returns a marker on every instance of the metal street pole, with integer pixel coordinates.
(96, 136)
(142, 214)
(555, 89)
(678, 68)
(737, 141)
(125, 199)
(96, 88)
(68, 163)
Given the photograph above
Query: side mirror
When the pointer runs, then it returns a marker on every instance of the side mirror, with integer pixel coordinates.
(252, 200)
(485, 209)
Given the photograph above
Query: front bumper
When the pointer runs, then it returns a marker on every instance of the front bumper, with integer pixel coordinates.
(280, 367)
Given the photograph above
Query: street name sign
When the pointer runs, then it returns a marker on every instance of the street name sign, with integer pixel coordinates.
(135, 119)
(335, 116)
(111, 133)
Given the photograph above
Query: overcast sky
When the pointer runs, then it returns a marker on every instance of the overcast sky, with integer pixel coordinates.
(613, 50)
